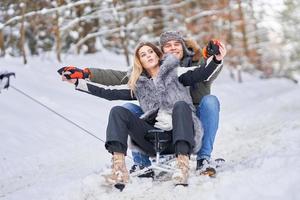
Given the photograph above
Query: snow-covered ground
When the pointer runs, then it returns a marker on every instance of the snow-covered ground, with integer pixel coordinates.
(43, 156)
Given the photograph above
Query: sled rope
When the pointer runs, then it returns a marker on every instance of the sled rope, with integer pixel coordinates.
(56, 113)
(60, 115)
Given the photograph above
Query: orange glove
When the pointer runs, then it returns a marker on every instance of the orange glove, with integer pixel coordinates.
(71, 72)
(211, 49)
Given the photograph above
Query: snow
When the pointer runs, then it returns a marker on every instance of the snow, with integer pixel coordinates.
(43, 156)
(74, 34)
(10, 11)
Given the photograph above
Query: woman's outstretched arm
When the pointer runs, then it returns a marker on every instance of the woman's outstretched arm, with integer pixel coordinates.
(109, 94)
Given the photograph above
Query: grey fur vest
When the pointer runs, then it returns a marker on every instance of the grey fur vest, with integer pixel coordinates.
(165, 93)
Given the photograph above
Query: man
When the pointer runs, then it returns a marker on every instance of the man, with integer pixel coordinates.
(207, 106)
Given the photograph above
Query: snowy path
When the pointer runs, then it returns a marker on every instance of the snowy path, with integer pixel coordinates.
(43, 157)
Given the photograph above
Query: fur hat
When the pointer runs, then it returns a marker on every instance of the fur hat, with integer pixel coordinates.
(174, 35)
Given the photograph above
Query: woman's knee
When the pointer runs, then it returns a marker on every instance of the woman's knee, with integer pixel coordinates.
(180, 106)
(118, 111)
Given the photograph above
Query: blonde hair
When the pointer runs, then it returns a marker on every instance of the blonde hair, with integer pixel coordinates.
(137, 66)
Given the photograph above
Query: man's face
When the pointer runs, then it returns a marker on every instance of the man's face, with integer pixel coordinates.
(174, 47)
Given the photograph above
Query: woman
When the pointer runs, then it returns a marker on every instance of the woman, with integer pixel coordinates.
(166, 103)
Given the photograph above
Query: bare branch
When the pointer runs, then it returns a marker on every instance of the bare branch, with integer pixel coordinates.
(92, 35)
(139, 9)
(103, 32)
(204, 14)
(46, 11)
(159, 6)
(97, 15)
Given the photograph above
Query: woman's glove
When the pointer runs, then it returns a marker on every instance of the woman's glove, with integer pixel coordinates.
(71, 72)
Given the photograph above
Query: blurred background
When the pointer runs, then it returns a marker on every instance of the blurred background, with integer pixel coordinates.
(262, 36)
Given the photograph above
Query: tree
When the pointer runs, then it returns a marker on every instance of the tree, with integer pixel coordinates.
(290, 18)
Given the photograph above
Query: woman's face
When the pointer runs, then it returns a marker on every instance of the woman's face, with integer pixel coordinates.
(148, 58)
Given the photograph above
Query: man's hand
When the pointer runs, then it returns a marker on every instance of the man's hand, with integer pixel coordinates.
(214, 48)
(222, 53)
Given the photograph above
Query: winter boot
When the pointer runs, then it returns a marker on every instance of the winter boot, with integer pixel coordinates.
(205, 168)
(141, 162)
(202, 163)
(119, 175)
(180, 177)
(141, 172)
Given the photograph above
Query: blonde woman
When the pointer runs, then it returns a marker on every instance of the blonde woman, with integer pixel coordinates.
(166, 104)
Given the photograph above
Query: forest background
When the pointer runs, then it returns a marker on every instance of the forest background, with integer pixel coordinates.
(261, 36)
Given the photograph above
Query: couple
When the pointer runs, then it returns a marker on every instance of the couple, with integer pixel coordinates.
(154, 81)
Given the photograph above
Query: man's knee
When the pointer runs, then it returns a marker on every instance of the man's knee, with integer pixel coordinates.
(210, 102)
(129, 106)
(133, 108)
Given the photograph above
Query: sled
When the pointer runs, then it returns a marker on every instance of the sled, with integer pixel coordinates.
(162, 163)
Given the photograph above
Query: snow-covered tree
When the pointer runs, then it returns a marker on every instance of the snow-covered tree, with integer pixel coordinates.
(88, 26)
(290, 18)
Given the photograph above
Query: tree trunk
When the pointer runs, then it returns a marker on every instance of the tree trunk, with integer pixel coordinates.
(243, 29)
(123, 37)
(22, 34)
(57, 34)
(2, 52)
(126, 52)
(257, 55)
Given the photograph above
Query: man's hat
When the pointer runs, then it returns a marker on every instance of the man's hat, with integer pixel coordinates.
(174, 35)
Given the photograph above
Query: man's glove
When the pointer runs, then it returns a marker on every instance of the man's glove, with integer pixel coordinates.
(71, 72)
(211, 49)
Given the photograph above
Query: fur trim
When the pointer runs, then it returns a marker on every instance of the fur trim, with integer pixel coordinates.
(192, 44)
(165, 93)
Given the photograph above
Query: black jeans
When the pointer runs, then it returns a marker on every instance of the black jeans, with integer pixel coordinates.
(122, 123)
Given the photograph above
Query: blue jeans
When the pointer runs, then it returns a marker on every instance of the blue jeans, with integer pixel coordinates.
(207, 111)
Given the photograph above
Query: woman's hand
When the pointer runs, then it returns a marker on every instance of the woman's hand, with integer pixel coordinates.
(73, 81)
(71, 72)
(222, 50)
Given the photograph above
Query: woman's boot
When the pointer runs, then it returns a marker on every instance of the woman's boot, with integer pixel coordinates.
(180, 177)
(119, 175)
